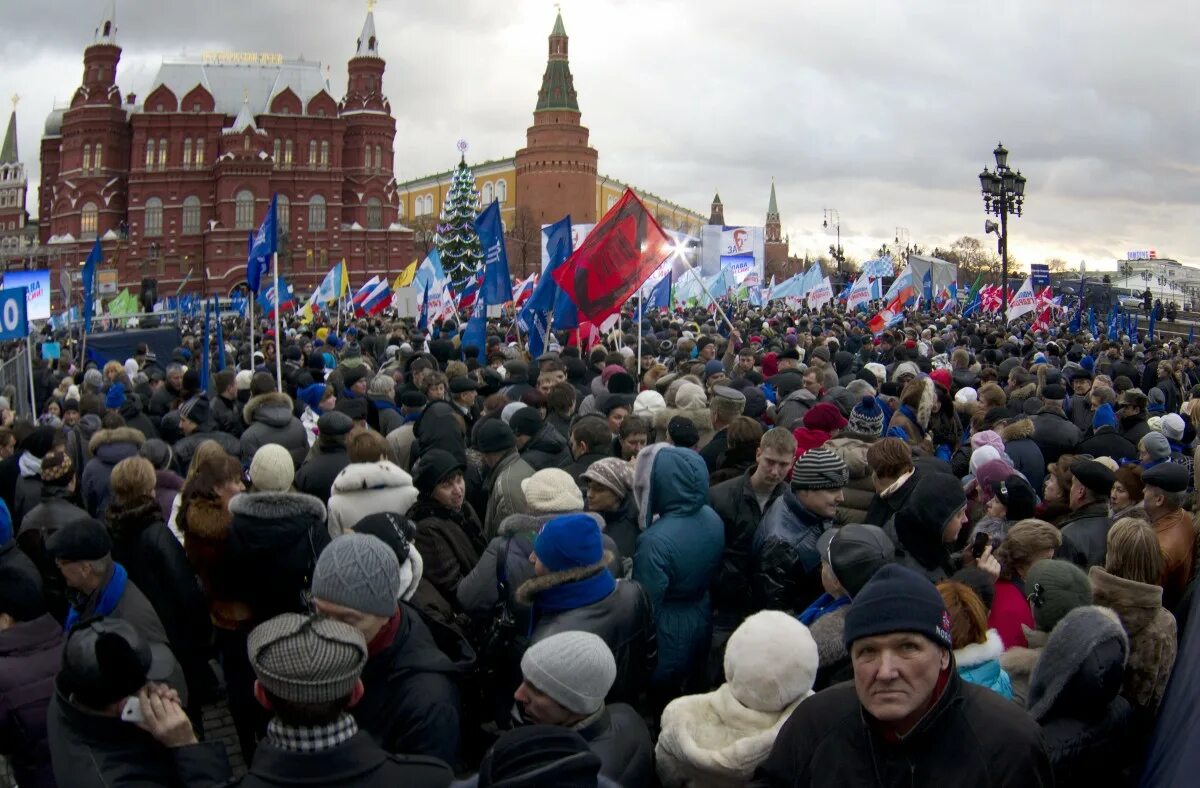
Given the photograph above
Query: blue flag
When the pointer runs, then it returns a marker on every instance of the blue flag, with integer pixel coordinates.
(660, 296)
(974, 306)
(205, 351)
(266, 299)
(497, 285)
(262, 247)
(1092, 320)
(220, 335)
(548, 296)
(476, 332)
(423, 320)
(94, 258)
(927, 288)
(1192, 334)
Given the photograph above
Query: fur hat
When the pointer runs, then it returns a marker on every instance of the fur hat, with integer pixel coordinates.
(1088, 648)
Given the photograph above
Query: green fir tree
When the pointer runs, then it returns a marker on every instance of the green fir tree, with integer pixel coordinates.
(456, 239)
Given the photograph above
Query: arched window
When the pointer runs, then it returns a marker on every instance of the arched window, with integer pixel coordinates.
(154, 217)
(283, 213)
(312, 153)
(244, 210)
(488, 194)
(367, 157)
(87, 157)
(502, 191)
(199, 152)
(275, 152)
(379, 157)
(287, 154)
(324, 153)
(88, 220)
(98, 157)
(149, 154)
(162, 154)
(191, 216)
(316, 213)
(374, 213)
(187, 154)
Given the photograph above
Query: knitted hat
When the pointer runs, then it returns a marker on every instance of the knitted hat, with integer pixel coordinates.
(1055, 588)
(196, 410)
(612, 472)
(536, 755)
(576, 669)
(770, 661)
(307, 659)
(819, 469)
(57, 468)
(867, 417)
(359, 572)
(1172, 427)
(966, 394)
(433, 468)
(526, 421)
(272, 469)
(355, 408)
(83, 539)
(551, 490)
(1104, 417)
(648, 404)
(352, 375)
(1156, 445)
(682, 432)
(94, 378)
(243, 379)
(568, 542)
(690, 396)
(854, 553)
(825, 416)
(898, 599)
(1088, 644)
(510, 410)
(115, 397)
(495, 436)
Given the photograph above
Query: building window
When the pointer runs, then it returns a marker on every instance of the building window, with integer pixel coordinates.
(312, 153)
(488, 194)
(88, 221)
(283, 213)
(187, 154)
(275, 154)
(191, 216)
(287, 155)
(316, 213)
(367, 157)
(502, 191)
(244, 213)
(200, 152)
(87, 157)
(154, 217)
(149, 154)
(97, 157)
(374, 214)
(324, 153)
(379, 157)
(162, 154)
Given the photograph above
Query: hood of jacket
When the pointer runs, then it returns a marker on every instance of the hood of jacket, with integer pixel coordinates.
(919, 523)
(536, 585)
(1023, 392)
(119, 435)
(131, 408)
(1078, 678)
(852, 448)
(371, 476)
(975, 654)
(127, 521)
(439, 426)
(801, 395)
(272, 408)
(528, 524)
(267, 521)
(669, 481)
(31, 637)
(548, 440)
(1017, 430)
(1136, 603)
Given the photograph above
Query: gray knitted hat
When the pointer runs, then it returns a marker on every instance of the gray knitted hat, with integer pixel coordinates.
(1089, 641)
(576, 669)
(307, 659)
(1055, 587)
(1156, 445)
(819, 469)
(359, 572)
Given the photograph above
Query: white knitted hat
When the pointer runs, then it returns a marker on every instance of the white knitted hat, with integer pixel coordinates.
(551, 490)
(576, 669)
(272, 469)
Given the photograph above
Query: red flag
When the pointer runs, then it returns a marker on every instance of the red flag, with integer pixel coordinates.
(615, 259)
(1042, 323)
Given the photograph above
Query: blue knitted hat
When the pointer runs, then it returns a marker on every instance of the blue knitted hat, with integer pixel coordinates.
(1104, 417)
(570, 541)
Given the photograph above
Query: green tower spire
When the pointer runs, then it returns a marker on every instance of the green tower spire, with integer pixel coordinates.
(558, 88)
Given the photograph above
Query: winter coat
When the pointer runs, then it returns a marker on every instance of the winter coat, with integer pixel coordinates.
(204, 524)
(108, 447)
(547, 449)
(1019, 661)
(365, 488)
(979, 663)
(830, 741)
(1151, 631)
(1025, 454)
(1173, 758)
(621, 525)
(43, 520)
(916, 530)
(1054, 433)
(1085, 535)
(167, 486)
(315, 477)
(677, 557)
(162, 402)
(401, 441)
(732, 463)
(26, 495)
(30, 657)
(357, 763)
(136, 419)
(736, 504)
(269, 419)
(505, 496)
(787, 566)
(1134, 428)
(624, 619)
(1010, 613)
(449, 542)
(1105, 441)
(790, 412)
(185, 448)
(274, 541)
(700, 417)
(388, 416)
(156, 562)
(227, 416)
(1177, 538)
(859, 490)
(91, 751)
(411, 702)
(1016, 397)
(618, 736)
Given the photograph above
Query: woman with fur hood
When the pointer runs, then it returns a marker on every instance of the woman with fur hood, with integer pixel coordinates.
(977, 649)
(1129, 584)
(910, 422)
(108, 447)
(691, 403)
(719, 738)
(369, 484)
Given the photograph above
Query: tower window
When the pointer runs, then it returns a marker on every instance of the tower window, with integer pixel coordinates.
(287, 155)
(275, 155)
(154, 217)
(88, 220)
(379, 158)
(244, 210)
(162, 154)
(312, 153)
(324, 153)
(187, 154)
(316, 213)
(200, 152)
(87, 157)
(97, 158)
(191, 216)
(374, 214)
(149, 154)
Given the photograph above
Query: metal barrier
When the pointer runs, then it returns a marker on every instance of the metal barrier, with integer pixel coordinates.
(14, 372)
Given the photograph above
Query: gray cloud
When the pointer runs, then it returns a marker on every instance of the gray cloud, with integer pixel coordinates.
(885, 111)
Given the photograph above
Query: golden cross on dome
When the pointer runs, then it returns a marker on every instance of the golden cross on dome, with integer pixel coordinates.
(15, 100)
(370, 6)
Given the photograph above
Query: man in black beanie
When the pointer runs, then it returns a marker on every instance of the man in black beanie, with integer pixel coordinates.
(907, 707)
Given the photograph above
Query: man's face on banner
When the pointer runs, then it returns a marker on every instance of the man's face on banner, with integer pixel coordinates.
(739, 240)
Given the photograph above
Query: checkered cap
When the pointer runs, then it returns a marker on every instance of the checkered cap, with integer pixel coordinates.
(307, 659)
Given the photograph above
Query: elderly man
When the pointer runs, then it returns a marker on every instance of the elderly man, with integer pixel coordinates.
(727, 404)
(1164, 495)
(907, 707)
(1085, 532)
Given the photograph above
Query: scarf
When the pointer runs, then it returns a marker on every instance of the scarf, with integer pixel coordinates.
(384, 637)
(106, 597)
(384, 404)
(570, 596)
(29, 465)
(1151, 463)
(824, 604)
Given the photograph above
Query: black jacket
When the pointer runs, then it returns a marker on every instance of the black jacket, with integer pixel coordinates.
(30, 655)
(1085, 536)
(185, 448)
(412, 703)
(1134, 428)
(830, 740)
(52, 513)
(227, 416)
(315, 477)
(136, 418)
(1054, 433)
(621, 525)
(90, 751)
(547, 449)
(1107, 442)
(620, 739)
(269, 419)
(360, 763)
(736, 504)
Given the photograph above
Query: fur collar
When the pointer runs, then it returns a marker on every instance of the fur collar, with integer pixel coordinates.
(116, 435)
(1019, 661)
(974, 654)
(274, 505)
(925, 406)
(1022, 392)
(1136, 603)
(270, 399)
(127, 522)
(204, 518)
(536, 585)
(1017, 430)
(370, 476)
(517, 524)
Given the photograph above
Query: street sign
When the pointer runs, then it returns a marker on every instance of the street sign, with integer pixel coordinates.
(13, 321)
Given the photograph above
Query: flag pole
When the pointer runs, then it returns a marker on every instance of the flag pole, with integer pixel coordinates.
(278, 342)
(250, 306)
(638, 328)
(32, 389)
(720, 311)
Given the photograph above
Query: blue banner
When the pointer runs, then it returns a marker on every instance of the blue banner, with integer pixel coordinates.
(497, 285)
(94, 258)
(262, 247)
(1039, 275)
(14, 323)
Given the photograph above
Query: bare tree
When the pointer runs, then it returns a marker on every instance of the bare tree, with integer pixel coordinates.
(524, 243)
(424, 230)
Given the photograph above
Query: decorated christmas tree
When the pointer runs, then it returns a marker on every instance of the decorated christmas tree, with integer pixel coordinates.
(456, 239)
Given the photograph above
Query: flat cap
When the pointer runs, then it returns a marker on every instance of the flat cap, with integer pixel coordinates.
(461, 384)
(1166, 476)
(334, 423)
(1094, 476)
(307, 659)
(728, 394)
(83, 539)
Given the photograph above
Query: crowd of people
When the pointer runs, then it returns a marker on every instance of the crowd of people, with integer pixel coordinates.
(772, 550)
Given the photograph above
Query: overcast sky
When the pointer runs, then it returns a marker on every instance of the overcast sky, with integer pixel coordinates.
(885, 111)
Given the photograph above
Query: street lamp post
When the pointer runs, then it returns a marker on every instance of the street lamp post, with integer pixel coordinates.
(903, 242)
(832, 215)
(1003, 194)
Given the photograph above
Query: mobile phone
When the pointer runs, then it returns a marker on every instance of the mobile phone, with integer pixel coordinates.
(132, 711)
(980, 544)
